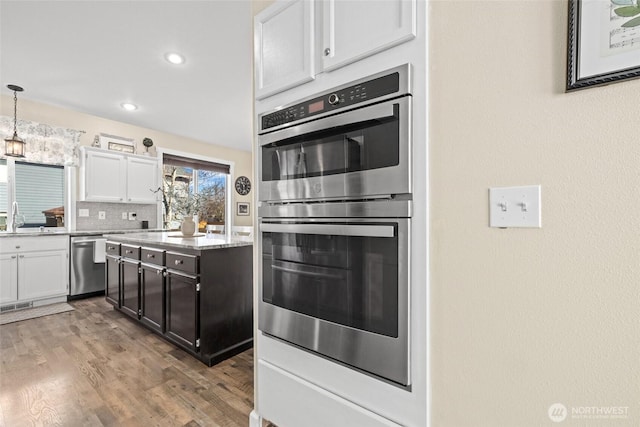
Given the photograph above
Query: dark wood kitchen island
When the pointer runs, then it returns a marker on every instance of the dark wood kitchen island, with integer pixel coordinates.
(195, 292)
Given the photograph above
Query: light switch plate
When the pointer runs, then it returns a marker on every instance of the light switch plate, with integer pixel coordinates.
(102, 215)
(82, 213)
(515, 207)
(124, 215)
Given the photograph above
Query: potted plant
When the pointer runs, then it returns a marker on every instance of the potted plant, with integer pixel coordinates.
(189, 207)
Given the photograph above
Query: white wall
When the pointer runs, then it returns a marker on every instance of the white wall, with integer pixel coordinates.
(522, 319)
(92, 125)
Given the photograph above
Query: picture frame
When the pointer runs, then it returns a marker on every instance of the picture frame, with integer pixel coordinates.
(242, 208)
(603, 43)
(117, 143)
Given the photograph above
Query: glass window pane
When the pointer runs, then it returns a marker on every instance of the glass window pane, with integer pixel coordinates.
(3, 195)
(40, 189)
(212, 190)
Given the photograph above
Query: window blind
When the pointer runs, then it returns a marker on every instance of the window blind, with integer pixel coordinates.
(38, 188)
(3, 188)
(170, 159)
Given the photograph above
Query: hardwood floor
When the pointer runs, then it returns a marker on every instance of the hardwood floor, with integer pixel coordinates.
(94, 367)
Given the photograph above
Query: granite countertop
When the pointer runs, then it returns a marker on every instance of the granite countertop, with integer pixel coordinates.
(52, 231)
(175, 239)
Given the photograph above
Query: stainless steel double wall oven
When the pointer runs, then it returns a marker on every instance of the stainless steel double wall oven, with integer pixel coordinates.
(335, 220)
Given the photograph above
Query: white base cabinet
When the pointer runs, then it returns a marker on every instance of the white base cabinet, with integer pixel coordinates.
(8, 278)
(33, 269)
(107, 176)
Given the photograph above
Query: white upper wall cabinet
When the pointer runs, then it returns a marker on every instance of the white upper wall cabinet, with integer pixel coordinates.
(284, 54)
(353, 30)
(347, 30)
(114, 177)
(142, 180)
(104, 176)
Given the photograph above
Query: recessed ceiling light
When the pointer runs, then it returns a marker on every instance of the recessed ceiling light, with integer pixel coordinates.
(128, 106)
(174, 58)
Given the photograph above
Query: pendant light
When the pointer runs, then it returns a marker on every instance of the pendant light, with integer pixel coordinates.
(14, 146)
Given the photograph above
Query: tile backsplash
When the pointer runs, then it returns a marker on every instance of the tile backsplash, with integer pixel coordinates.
(113, 216)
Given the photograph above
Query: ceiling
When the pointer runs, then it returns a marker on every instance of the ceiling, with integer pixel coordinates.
(92, 56)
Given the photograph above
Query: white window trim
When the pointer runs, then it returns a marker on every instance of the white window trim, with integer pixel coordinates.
(229, 213)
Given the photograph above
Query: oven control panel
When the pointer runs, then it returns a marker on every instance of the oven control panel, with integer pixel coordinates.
(334, 100)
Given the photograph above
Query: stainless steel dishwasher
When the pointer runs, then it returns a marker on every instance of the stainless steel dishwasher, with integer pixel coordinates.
(87, 266)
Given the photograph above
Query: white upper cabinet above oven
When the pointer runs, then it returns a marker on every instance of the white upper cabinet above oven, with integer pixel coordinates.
(284, 53)
(296, 39)
(353, 30)
(107, 176)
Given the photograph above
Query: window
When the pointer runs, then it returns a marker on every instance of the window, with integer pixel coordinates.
(4, 189)
(38, 190)
(194, 187)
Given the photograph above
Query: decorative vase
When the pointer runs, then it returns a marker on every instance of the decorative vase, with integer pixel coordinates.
(188, 226)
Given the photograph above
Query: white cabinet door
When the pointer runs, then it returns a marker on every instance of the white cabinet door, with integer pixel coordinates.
(8, 278)
(354, 29)
(142, 180)
(284, 46)
(42, 274)
(105, 177)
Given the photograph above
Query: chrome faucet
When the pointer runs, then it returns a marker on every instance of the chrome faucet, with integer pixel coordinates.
(14, 217)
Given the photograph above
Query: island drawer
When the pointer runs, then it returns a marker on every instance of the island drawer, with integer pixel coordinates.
(152, 256)
(182, 262)
(129, 251)
(113, 248)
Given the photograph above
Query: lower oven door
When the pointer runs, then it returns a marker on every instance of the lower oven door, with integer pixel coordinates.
(341, 289)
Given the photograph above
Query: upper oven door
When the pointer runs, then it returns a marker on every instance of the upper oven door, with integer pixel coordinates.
(357, 154)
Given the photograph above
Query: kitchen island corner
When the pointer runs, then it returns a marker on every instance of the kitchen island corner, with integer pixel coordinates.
(196, 292)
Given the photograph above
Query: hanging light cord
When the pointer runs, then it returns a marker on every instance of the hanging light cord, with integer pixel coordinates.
(15, 113)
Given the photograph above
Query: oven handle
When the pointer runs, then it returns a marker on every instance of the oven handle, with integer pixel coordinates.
(300, 271)
(374, 112)
(331, 229)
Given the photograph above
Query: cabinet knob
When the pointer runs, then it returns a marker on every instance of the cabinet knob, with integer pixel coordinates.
(121, 199)
(178, 262)
(21, 256)
(327, 52)
(129, 198)
(17, 246)
(13, 257)
(158, 272)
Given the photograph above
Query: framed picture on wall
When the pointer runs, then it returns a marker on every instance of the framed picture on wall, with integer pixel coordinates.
(603, 42)
(243, 209)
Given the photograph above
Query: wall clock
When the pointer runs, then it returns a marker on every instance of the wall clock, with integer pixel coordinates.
(243, 185)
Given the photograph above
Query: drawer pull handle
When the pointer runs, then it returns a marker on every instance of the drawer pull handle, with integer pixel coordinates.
(17, 246)
(178, 262)
(13, 257)
(111, 248)
(129, 252)
(150, 256)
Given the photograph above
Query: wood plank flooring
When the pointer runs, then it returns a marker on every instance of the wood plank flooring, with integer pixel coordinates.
(95, 367)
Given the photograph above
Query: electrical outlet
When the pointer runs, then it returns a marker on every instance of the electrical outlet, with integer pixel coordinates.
(83, 213)
(124, 215)
(132, 216)
(102, 215)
